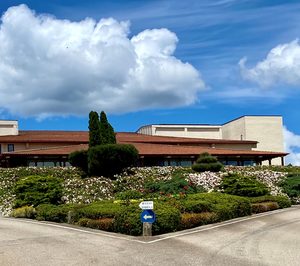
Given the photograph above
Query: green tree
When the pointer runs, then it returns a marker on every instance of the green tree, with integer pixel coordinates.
(107, 134)
(206, 162)
(94, 129)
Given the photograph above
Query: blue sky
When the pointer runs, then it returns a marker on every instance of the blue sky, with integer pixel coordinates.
(238, 57)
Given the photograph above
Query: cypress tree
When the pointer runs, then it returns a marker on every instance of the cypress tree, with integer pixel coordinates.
(94, 129)
(106, 130)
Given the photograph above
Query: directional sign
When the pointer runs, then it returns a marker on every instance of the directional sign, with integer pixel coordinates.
(146, 205)
(148, 216)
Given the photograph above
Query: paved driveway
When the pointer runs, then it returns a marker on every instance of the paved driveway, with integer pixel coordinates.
(266, 239)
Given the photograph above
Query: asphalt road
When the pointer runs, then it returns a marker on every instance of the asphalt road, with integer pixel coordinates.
(266, 239)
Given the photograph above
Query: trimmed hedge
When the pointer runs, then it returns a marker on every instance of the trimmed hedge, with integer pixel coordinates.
(206, 162)
(264, 206)
(190, 220)
(283, 202)
(79, 159)
(110, 159)
(106, 224)
(225, 206)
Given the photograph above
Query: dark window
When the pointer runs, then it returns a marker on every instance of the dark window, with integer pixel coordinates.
(0, 148)
(10, 147)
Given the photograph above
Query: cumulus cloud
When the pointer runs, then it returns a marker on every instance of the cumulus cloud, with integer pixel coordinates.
(292, 145)
(58, 67)
(282, 65)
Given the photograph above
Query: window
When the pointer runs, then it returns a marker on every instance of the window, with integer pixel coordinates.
(10, 147)
(0, 148)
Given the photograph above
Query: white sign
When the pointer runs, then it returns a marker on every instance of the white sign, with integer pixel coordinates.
(146, 205)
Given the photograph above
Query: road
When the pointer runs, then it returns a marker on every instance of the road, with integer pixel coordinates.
(266, 239)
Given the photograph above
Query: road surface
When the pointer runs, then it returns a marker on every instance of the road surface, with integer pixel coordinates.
(266, 239)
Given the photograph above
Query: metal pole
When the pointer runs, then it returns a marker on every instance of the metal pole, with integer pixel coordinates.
(147, 229)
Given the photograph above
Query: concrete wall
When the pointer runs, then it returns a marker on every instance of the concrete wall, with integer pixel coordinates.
(267, 130)
(8, 127)
(187, 131)
(235, 130)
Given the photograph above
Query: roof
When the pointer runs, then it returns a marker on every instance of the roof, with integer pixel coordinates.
(136, 137)
(82, 137)
(149, 149)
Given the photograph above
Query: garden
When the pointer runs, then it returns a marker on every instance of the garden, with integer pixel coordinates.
(103, 190)
(183, 198)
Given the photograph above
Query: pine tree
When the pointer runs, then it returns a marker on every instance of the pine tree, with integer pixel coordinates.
(107, 134)
(94, 129)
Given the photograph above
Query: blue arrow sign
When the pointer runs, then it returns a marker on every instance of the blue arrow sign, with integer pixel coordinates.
(147, 216)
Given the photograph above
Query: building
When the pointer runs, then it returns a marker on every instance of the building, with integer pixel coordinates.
(157, 144)
(266, 130)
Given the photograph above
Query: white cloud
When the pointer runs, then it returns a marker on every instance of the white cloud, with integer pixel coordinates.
(58, 67)
(292, 144)
(282, 65)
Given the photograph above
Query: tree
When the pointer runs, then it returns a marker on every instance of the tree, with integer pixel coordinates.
(94, 129)
(107, 134)
(206, 162)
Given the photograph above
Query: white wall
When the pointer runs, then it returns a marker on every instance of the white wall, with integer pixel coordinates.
(8, 128)
(187, 131)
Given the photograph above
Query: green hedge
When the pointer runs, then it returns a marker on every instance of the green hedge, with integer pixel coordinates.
(225, 206)
(206, 162)
(110, 159)
(283, 202)
(79, 159)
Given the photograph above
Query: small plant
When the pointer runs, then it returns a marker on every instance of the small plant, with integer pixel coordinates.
(206, 162)
(24, 212)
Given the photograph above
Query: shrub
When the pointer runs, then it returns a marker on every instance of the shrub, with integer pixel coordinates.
(53, 213)
(206, 162)
(239, 185)
(291, 185)
(108, 160)
(36, 190)
(167, 219)
(195, 206)
(128, 195)
(177, 184)
(225, 206)
(283, 202)
(106, 224)
(79, 159)
(98, 210)
(264, 207)
(24, 212)
(127, 221)
(190, 220)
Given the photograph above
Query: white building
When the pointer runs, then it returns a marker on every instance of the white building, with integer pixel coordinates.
(266, 130)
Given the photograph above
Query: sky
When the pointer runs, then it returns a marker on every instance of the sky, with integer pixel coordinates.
(150, 62)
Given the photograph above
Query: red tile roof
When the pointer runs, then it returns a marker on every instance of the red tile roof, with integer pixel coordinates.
(44, 136)
(146, 149)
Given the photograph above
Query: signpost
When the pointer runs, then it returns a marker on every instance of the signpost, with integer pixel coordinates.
(147, 217)
(146, 205)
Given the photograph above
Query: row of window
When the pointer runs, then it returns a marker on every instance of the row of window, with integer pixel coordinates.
(10, 147)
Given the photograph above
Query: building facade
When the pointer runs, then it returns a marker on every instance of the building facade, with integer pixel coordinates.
(247, 140)
(266, 130)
